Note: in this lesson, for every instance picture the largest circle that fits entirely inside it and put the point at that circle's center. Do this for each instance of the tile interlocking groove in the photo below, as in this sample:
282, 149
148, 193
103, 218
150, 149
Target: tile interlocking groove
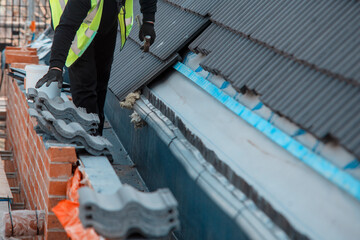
70, 133
129, 211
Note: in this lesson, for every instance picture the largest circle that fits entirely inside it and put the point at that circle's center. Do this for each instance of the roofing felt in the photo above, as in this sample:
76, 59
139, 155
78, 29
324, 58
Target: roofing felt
323, 34
133, 68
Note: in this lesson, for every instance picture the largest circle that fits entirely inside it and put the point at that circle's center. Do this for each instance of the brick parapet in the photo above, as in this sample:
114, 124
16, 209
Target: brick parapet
43, 173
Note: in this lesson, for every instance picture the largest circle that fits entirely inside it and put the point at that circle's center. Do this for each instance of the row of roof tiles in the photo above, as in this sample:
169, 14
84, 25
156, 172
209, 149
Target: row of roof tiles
324, 34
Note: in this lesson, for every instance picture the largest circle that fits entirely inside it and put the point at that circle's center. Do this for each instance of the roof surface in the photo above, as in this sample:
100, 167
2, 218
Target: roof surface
131, 71
324, 34
133, 68
301, 57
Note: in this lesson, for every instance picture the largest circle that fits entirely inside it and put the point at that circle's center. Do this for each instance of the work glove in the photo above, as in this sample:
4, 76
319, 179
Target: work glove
147, 29
53, 75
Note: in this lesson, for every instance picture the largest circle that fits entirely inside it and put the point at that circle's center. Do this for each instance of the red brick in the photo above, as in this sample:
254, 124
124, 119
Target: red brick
16, 58
53, 222
50, 235
60, 170
53, 201
62, 154
57, 187
20, 52
10, 48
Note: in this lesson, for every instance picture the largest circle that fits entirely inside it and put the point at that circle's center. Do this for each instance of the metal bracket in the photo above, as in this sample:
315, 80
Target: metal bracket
6, 155
15, 189
11, 174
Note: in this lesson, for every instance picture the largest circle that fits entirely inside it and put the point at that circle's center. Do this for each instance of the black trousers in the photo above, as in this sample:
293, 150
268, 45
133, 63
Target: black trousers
89, 75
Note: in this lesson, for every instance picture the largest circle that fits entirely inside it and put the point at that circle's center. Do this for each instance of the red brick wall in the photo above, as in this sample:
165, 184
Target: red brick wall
43, 173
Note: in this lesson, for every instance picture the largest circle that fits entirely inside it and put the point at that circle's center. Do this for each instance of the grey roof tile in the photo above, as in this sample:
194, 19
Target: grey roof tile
324, 34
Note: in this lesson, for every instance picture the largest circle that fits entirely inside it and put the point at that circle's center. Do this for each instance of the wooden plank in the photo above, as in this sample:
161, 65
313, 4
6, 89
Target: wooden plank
5, 191
4, 207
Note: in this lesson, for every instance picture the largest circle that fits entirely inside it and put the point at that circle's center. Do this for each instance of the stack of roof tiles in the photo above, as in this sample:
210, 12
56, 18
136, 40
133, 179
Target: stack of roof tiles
301, 57
67, 123
129, 212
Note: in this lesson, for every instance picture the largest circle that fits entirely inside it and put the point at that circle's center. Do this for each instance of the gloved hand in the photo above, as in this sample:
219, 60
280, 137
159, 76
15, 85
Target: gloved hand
53, 75
147, 29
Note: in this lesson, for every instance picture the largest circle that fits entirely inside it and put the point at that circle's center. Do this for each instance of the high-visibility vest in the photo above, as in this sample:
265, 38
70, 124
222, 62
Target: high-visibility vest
89, 27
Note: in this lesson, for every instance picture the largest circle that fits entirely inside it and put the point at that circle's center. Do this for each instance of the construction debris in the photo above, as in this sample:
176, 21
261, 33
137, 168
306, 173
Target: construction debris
70, 133
130, 100
65, 110
137, 120
129, 211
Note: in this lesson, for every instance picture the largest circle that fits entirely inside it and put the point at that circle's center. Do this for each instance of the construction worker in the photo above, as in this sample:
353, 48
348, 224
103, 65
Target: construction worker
84, 41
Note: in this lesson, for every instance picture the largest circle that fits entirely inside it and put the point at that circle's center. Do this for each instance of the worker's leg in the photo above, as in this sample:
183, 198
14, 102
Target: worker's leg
104, 52
83, 81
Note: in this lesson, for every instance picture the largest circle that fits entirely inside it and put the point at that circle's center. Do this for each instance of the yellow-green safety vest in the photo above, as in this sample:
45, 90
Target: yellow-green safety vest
89, 27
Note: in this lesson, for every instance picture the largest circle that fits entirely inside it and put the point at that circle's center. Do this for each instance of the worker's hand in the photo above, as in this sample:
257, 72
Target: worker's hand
147, 29
53, 75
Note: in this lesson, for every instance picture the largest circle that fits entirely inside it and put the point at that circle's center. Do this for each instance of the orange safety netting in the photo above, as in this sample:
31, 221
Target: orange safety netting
67, 211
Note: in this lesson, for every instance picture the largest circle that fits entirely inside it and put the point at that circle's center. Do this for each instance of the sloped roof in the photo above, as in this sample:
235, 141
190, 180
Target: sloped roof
323, 34
133, 68
301, 57
131, 71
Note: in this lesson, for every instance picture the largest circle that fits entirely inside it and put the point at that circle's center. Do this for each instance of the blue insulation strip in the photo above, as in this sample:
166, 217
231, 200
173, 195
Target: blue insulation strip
319, 164
258, 106
352, 165
199, 69
299, 132
224, 85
